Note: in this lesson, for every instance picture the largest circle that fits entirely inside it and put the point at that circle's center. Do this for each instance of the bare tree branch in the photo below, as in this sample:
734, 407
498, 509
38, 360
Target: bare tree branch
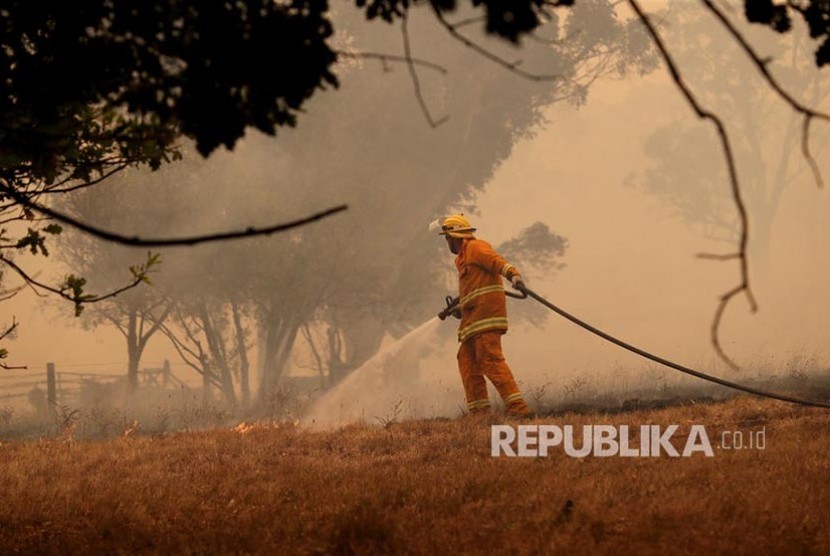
10, 329
393, 58
166, 330
165, 242
117, 324
469, 21
181, 349
414, 74
104, 175
157, 322
189, 333
762, 64
716, 320
62, 292
744, 286
715, 257
320, 366
8, 294
34, 289
12, 367
21, 218
119, 165
510, 66
4, 353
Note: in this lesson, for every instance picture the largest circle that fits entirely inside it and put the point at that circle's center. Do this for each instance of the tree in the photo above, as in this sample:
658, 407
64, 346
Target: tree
768, 162
138, 313
133, 78
203, 334
138, 317
197, 325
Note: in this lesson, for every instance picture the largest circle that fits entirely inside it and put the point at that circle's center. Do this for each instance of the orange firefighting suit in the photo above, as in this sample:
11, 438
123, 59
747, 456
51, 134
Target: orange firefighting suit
483, 321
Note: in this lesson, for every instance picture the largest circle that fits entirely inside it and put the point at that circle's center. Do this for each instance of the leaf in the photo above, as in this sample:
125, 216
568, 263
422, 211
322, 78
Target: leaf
34, 241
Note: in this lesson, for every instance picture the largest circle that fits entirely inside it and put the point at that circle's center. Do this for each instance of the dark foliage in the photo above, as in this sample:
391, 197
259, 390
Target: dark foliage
816, 14
206, 70
508, 19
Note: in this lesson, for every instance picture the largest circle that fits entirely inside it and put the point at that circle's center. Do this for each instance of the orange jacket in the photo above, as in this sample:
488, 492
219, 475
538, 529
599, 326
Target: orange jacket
481, 292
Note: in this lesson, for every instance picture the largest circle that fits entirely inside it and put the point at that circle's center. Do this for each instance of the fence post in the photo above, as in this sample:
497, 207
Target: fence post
51, 386
166, 373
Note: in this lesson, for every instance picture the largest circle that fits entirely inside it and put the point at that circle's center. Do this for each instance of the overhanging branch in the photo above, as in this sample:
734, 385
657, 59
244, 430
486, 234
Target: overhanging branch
4, 353
743, 286
136, 241
761, 64
62, 292
393, 58
452, 29
433, 123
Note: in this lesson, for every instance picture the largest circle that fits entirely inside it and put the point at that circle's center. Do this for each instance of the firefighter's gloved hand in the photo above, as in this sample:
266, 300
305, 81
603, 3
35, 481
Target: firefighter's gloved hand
456, 313
518, 282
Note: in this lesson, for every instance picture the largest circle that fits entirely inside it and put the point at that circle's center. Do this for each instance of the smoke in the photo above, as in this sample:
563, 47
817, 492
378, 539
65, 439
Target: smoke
631, 265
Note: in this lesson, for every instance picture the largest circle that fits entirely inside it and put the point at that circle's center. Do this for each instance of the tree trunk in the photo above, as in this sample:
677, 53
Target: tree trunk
350, 347
217, 353
279, 336
244, 366
133, 351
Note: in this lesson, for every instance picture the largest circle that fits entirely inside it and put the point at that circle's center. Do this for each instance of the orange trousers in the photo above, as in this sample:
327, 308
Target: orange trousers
481, 356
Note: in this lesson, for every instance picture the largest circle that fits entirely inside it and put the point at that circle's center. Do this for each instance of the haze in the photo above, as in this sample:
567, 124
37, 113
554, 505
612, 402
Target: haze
631, 262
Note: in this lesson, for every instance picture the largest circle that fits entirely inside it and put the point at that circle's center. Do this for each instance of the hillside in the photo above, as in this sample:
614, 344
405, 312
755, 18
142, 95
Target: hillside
423, 487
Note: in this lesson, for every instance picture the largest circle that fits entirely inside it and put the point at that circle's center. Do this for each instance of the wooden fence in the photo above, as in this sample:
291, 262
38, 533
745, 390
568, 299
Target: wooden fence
56, 387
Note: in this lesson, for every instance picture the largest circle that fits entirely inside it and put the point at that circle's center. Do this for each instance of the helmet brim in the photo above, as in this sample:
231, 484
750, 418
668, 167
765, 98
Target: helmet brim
461, 233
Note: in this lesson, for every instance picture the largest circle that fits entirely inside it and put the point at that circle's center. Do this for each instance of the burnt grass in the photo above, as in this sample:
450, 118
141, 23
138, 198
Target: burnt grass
422, 487
814, 388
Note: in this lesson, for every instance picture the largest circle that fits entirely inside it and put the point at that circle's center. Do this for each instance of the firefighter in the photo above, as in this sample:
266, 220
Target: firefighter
483, 313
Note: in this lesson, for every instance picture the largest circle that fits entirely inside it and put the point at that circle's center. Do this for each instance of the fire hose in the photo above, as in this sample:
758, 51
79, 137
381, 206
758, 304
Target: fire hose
453, 307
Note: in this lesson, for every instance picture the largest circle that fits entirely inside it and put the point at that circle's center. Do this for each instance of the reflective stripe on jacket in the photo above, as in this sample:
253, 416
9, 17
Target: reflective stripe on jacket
481, 293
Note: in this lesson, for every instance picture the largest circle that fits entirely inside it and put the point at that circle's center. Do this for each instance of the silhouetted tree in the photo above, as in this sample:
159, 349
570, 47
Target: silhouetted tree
682, 172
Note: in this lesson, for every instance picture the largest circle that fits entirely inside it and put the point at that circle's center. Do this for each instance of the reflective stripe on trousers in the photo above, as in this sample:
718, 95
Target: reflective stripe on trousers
479, 357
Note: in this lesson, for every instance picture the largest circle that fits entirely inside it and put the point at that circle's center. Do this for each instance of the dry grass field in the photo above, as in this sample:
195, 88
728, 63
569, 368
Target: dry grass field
425, 487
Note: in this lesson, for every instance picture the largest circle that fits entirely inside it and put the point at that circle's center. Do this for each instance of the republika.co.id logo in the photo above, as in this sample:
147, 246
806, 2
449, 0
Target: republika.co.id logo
617, 440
